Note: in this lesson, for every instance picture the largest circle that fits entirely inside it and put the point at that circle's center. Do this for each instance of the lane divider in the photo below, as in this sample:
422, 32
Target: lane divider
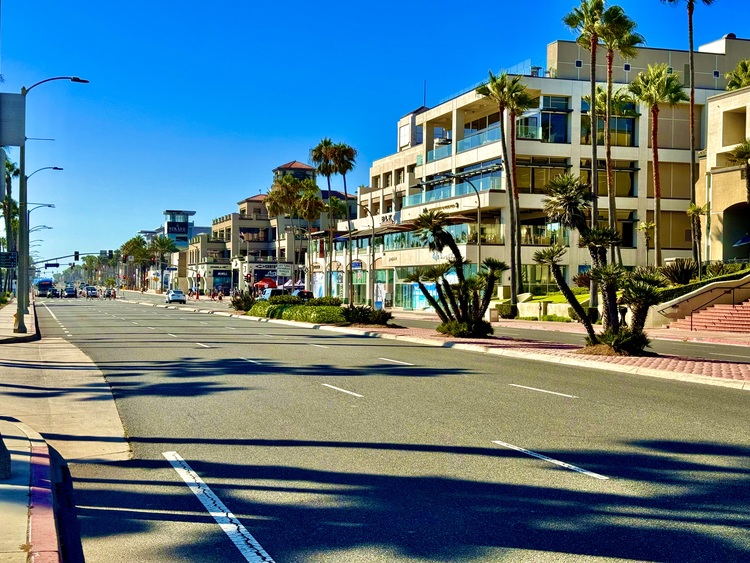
551, 460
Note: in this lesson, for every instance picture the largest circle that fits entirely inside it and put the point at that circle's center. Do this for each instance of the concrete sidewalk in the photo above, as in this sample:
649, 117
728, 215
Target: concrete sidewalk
47, 387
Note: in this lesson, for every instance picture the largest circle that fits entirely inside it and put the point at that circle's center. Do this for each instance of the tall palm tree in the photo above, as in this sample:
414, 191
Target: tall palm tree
10, 210
519, 101
652, 88
690, 10
137, 248
739, 77
502, 90
695, 212
160, 246
344, 157
646, 227
285, 193
321, 155
740, 156
586, 20
310, 208
618, 35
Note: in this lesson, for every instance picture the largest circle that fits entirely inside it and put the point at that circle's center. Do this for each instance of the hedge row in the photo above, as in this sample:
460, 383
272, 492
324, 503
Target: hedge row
324, 314
669, 293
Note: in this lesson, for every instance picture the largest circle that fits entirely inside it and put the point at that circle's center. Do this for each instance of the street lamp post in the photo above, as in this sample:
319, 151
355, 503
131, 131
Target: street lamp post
23, 297
479, 216
371, 269
23, 235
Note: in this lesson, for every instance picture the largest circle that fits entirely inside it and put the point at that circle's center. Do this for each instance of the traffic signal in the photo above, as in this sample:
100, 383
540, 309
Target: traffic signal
109, 254
198, 276
76, 256
153, 260
124, 258
248, 278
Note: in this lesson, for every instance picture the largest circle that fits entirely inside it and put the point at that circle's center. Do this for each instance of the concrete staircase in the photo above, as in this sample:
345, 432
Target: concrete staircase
718, 318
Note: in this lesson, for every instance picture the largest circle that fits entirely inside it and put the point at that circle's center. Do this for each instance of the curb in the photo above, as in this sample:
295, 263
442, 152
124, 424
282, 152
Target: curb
44, 543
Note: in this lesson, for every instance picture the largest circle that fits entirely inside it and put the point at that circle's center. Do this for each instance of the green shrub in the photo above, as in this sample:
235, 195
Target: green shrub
3, 298
259, 308
507, 311
285, 300
556, 318
320, 315
325, 302
680, 272
480, 329
528, 318
242, 302
381, 317
360, 314
625, 341
669, 293
537, 291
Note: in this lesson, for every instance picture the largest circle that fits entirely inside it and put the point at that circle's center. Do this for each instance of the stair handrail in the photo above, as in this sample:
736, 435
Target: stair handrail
726, 290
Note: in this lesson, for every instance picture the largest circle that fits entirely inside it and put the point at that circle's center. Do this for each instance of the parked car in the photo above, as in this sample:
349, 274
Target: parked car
70, 292
272, 292
303, 294
176, 296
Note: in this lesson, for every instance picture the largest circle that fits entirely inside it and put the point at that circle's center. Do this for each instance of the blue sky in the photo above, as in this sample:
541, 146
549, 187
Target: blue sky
192, 104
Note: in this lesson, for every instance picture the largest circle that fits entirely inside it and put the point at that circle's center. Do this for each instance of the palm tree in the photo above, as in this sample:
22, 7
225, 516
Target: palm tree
137, 248
690, 9
552, 257
343, 157
499, 89
740, 156
321, 155
10, 210
646, 227
160, 246
695, 212
740, 76
652, 88
587, 21
640, 291
618, 36
284, 198
310, 207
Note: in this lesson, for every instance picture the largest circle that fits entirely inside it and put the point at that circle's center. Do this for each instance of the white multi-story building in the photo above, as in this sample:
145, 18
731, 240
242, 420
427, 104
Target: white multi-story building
461, 136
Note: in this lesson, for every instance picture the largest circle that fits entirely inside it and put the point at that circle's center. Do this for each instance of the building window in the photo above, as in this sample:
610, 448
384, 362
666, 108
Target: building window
554, 127
533, 173
624, 175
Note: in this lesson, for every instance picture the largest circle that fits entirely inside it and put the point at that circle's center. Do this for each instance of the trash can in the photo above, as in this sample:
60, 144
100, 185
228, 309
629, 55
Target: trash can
494, 314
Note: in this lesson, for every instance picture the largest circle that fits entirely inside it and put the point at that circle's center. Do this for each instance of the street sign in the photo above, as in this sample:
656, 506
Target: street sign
170, 269
52, 265
283, 269
9, 259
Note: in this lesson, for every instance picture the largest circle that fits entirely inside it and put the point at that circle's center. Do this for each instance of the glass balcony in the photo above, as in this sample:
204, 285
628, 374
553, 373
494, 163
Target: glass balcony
488, 181
539, 235
443, 151
530, 132
484, 137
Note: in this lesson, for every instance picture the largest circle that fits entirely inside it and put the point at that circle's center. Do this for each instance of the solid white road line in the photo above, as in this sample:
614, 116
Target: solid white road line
50, 312
342, 390
555, 461
250, 549
318, 345
543, 391
395, 361
731, 355
205, 346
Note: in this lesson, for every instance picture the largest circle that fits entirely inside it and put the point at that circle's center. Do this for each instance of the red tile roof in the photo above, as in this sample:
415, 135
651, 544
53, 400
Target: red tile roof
294, 165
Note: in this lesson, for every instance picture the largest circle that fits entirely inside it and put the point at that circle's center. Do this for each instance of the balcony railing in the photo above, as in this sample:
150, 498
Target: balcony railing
483, 183
484, 137
443, 151
531, 132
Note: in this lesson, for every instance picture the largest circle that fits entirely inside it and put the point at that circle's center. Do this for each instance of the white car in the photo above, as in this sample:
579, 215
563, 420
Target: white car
176, 296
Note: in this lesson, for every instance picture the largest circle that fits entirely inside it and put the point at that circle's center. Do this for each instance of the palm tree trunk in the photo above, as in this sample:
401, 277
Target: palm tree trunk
594, 42
616, 256
511, 209
690, 8
747, 182
573, 302
657, 183
348, 257
516, 205
329, 277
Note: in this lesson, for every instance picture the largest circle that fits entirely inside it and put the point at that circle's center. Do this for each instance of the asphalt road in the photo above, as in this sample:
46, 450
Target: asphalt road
337, 448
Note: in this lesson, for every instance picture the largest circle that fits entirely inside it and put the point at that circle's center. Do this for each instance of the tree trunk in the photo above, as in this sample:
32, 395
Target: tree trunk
573, 302
594, 153
657, 183
612, 210
511, 209
348, 258
516, 205
690, 8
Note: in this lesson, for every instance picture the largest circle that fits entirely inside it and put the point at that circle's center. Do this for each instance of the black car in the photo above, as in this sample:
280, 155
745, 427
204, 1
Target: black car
70, 292
303, 294
54, 292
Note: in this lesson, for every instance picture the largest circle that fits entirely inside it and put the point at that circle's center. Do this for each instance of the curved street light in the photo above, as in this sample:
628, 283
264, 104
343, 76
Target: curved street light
23, 227
39, 228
